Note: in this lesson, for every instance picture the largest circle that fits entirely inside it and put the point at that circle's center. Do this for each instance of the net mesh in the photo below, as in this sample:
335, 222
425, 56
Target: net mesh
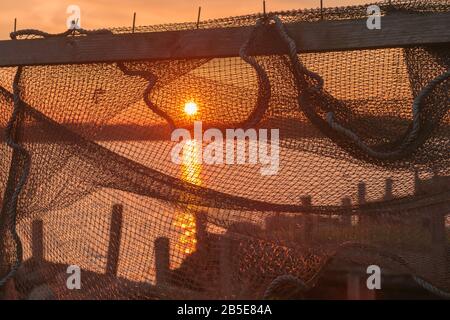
103, 193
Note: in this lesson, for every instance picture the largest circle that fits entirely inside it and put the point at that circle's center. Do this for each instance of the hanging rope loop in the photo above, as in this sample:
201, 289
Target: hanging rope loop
310, 83
264, 88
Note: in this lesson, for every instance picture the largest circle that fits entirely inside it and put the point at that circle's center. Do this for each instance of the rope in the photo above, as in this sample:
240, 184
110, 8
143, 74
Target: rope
430, 288
11, 206
151, 78
264, 90
301, 73
412, 134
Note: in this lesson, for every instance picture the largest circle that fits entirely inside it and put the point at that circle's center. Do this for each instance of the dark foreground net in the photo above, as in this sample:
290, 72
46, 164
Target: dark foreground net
363, 179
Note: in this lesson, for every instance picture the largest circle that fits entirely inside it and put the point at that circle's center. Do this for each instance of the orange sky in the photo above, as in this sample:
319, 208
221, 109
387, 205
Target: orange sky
50, 15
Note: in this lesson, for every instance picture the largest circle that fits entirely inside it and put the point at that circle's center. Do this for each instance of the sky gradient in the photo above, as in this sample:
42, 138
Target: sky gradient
51, 16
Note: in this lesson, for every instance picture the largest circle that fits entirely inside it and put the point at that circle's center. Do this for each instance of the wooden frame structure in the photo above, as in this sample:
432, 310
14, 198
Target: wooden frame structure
397, 29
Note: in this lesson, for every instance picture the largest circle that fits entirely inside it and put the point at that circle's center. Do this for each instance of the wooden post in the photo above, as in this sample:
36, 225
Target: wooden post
361, 193
308, 221
201, 232
162, 260
37, 241
347, 216
388, 193
112, 262
198, 16
321, 9
134, 22
226, 267
361, 201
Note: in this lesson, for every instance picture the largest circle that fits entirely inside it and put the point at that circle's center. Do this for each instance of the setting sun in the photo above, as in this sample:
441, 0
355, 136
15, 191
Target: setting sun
190, 108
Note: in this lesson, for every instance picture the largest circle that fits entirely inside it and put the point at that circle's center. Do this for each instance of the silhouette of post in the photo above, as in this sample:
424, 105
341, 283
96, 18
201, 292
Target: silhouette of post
361, 193
308, 220
134, 22
347, 216
198, 16
37, 241
388, 193
361, 200
162, 260
112, 261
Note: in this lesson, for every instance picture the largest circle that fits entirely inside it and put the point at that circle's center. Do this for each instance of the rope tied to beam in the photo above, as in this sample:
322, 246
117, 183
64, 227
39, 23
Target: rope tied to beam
70, 32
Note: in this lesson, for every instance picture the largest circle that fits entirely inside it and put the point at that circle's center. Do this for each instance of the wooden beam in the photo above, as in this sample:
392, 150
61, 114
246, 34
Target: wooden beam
397, 30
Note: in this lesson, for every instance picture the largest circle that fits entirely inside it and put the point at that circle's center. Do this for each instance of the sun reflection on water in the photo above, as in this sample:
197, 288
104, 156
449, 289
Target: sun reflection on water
185, 221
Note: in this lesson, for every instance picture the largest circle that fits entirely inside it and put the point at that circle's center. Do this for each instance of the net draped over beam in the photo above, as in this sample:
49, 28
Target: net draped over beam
364, 175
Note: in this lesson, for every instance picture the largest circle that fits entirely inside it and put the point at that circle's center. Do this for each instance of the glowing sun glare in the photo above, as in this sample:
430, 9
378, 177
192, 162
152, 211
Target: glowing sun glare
190, 108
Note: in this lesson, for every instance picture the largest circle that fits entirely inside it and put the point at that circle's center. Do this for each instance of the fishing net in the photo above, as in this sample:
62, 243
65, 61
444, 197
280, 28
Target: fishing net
87, 177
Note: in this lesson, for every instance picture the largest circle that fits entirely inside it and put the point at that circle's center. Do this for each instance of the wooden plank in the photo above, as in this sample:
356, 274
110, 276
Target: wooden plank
398, 29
